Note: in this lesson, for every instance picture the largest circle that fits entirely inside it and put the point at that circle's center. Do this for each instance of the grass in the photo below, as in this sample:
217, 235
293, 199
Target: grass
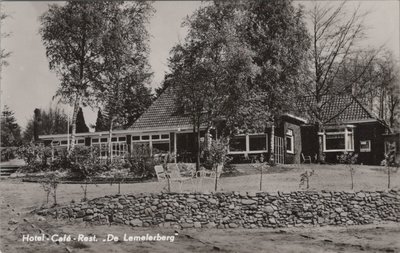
19, 198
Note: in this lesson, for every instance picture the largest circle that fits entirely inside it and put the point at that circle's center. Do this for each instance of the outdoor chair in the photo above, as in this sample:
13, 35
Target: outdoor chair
306, 158
209, 174
174, 175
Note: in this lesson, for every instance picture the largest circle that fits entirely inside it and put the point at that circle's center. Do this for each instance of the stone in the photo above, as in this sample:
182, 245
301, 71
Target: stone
170, 217
211, 225
272, 220
89, 211
187, 225
80, 214
252, 194
269, 209
197, 224
233, 225
248, 202
88, 218
360, 194
136, 223
212, 201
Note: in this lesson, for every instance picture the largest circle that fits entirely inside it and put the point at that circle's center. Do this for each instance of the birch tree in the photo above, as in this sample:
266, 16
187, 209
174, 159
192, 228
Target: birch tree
125, 48
72, 35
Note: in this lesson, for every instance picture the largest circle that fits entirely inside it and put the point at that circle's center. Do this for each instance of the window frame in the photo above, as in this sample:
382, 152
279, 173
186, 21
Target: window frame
247, 141
365, 149
291, 136
347, 132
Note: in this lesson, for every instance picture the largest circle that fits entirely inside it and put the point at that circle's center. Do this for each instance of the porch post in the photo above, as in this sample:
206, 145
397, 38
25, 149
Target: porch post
151, 145
175, 148
247, 146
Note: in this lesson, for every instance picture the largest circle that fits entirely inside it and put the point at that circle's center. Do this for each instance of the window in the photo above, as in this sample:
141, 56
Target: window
104, 139
95, 140
237, 144
64, 142
160, 147
336, 140
258, 142
155, 137
289, 141
113, 139
365, 146
122, 139
145, 137
165, 136
135, 138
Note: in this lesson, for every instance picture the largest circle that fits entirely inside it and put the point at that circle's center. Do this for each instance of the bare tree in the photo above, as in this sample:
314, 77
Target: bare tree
335, 35
378, 85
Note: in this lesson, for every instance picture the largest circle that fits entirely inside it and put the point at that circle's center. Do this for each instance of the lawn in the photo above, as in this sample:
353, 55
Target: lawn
19, 198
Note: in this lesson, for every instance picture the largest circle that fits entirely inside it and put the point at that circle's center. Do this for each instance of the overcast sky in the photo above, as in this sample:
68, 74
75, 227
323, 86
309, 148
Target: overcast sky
27, 83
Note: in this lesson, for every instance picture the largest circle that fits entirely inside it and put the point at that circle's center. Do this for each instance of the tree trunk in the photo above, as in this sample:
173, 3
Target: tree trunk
320, 143
216, 179
198, 148
109, 141
272, 148
74, 116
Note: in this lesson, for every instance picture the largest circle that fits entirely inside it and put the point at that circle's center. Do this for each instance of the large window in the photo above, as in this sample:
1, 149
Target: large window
237, 144
160, 147
289, 141
258, 142
251, 143
341, 139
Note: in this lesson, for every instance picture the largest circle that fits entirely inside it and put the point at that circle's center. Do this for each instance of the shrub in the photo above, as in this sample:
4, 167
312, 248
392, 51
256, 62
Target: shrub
140, 162
8, 153
36, 157
49, 184
216, 154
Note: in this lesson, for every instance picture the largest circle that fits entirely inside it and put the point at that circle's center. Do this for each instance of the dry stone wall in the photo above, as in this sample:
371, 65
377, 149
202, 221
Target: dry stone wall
232, 210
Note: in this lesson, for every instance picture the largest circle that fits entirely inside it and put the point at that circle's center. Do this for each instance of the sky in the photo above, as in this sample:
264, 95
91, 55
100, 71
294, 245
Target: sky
27, 82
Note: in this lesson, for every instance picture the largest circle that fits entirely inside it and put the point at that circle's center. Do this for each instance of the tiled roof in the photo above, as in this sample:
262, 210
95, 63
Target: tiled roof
340, 109
162, 114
